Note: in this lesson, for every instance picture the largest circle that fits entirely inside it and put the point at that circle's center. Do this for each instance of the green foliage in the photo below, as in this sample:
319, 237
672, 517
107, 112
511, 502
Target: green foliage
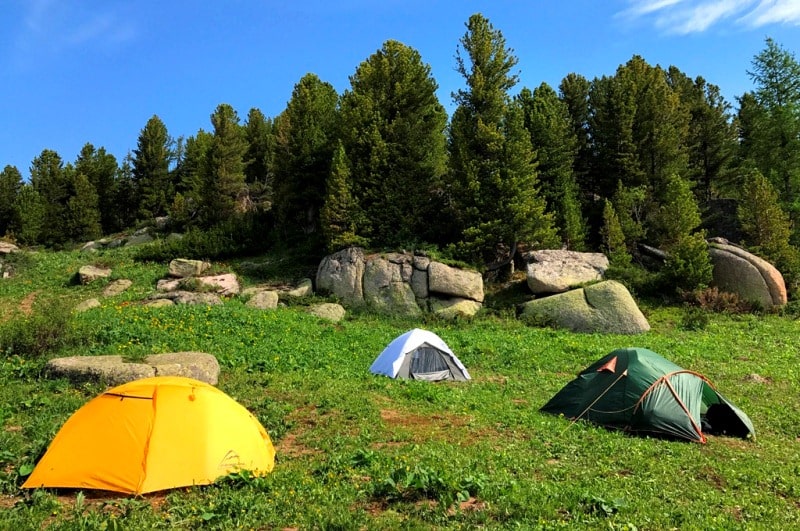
695, 318
340, 213
688, 266
392, 130
50, 182
10, 185
676, 216
101, 170
631, 206
305, 138
48, 329
30, 211
496, 200
613, 237
223, 184
554, 141
83, 215
150, 169
714, 300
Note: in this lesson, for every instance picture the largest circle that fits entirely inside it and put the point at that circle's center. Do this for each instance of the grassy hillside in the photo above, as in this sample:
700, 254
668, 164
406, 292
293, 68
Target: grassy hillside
356, 451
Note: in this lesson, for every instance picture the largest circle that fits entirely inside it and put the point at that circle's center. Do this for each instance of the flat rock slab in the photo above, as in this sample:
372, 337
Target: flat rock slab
556, 271
114, 370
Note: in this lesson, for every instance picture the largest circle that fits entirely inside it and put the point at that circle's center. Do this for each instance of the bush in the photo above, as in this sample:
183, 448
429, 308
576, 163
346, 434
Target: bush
688, 266
48, 329
712, 299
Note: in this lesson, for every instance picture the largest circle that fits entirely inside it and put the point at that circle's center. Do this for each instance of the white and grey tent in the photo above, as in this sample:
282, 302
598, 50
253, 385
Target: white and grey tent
419, 355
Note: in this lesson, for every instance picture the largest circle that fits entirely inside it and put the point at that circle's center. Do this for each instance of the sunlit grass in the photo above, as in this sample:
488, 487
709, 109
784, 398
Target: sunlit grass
360, 451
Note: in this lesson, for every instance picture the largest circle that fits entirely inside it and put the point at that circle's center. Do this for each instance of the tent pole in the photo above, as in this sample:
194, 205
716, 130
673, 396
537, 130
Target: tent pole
624, 373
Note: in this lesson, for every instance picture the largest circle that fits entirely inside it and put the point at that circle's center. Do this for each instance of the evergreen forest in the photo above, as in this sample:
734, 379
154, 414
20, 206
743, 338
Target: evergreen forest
644, 157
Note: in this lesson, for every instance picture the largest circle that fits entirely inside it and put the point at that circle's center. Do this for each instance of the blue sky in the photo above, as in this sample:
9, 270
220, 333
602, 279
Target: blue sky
77, 71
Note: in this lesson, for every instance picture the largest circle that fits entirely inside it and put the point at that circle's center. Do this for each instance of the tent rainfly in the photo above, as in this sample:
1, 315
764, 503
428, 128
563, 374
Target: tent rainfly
154, 434
637, 390
419, 355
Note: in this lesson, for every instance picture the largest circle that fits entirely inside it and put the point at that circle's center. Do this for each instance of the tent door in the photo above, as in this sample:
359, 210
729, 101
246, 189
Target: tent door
428, 363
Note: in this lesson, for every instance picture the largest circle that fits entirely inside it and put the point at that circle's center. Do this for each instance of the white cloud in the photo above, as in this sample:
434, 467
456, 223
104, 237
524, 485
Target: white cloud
683, 17
774, 12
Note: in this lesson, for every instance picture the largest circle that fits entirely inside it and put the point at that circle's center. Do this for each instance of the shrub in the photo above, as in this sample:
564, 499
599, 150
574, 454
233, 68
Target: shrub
712, 299
48, 329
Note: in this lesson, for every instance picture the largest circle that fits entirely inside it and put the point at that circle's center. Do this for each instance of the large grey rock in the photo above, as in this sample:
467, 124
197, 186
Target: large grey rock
114, 370
116, 287
183, 267
605, 307
556, 271
226, 284
385, 289
455, 282
263, 300
304, 288
328, 310
138, 239
188, 297
169, 284
89, 273
341, 273
745, 274
454, 307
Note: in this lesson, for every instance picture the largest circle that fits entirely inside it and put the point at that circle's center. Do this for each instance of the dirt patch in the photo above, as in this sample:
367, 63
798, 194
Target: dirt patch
302, 419
26, 304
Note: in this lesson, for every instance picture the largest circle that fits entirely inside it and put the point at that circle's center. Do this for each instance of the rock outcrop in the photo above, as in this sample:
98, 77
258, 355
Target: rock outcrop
399, 283
556, 271
89, 273
114, 370
605, 307
752, 278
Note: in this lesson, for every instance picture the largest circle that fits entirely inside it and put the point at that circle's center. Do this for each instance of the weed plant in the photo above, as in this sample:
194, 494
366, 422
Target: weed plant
358, 451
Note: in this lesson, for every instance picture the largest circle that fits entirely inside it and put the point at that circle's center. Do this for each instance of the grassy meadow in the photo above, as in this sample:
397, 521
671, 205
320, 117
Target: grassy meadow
357, 451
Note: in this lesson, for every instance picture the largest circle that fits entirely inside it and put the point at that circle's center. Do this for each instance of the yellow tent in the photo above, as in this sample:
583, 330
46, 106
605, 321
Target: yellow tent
154, 434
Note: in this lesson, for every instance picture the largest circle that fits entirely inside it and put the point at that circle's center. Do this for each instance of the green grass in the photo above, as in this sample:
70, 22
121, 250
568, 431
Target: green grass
357, 451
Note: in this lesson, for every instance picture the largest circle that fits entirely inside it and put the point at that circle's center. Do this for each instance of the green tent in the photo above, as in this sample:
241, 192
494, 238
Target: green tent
637, 390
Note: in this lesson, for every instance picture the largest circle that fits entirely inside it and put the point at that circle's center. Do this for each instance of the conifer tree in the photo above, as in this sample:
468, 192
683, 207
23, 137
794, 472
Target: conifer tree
30, 214
553, 138
223, 181
259, 157
151, 169
304, 142
49, 181
493, 173
613, 237
774, 142
393, 132
340, 213
101, 169
83, 216
764, 222
10, 184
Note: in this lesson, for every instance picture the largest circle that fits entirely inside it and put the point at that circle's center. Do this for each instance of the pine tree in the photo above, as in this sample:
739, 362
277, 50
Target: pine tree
190, 178
340, 213
304, 141
49, 181
574, 92
764, 222
393, 132
224, 185
30, 214
10, 184
125, 199
553, 138
101, 169
151, 169
259, 158
494, 180
613, 237
83, 215
774, 145
678, 216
